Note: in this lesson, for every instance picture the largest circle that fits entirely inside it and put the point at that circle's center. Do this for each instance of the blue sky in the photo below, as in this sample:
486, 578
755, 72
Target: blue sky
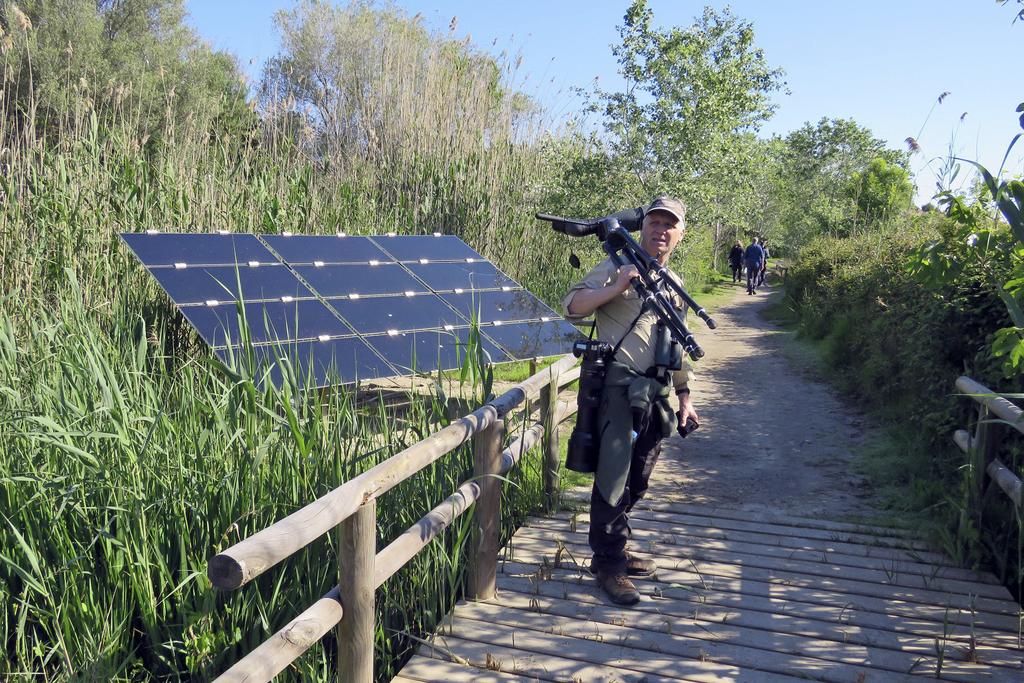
881, 63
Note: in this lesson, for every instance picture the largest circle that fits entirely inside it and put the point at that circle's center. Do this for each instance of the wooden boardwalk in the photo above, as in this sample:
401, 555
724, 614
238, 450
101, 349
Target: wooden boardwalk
738, 596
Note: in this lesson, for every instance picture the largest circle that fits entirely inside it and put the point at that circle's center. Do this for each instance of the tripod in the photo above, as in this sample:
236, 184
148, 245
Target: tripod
653, 280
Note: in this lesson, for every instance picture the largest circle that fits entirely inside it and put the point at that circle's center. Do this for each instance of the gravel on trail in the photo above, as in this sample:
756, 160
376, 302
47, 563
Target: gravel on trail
773, 437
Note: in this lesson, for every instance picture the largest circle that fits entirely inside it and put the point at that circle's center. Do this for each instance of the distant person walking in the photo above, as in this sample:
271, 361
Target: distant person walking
736, 261
753, 257
764, 265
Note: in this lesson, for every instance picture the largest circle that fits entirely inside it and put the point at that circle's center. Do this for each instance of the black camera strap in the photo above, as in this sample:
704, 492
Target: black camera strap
643, 309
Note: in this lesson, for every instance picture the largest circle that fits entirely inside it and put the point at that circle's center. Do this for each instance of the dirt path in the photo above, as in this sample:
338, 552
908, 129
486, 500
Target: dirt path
772, 438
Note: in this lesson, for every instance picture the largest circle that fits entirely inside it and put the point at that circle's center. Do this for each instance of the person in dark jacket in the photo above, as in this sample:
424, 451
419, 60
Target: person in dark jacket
753, 258
764, 265
736, 261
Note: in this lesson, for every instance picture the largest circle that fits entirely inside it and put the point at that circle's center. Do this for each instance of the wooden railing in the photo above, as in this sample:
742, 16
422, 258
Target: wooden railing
994, 414
351, 509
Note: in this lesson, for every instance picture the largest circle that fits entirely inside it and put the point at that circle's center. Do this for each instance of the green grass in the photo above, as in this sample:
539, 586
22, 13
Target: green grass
126, 471
519, 370
716, 293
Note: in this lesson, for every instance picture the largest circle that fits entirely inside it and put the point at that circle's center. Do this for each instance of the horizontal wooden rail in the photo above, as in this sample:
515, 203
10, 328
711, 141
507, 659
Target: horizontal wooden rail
1001, 407
983, 446
249, 558
278, 651
416, 537
285, 646
1000, 474
1007, 480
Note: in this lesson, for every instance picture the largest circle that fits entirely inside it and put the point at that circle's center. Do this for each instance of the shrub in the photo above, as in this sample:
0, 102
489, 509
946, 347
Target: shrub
897, 346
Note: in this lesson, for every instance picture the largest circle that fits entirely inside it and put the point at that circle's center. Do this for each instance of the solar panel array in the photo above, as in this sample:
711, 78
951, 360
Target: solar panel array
348, 308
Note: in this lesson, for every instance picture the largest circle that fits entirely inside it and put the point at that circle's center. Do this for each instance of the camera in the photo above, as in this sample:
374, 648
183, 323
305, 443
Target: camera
585, 442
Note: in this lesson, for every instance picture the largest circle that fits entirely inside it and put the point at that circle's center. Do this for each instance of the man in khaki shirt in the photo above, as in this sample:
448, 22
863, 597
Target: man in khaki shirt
606, 292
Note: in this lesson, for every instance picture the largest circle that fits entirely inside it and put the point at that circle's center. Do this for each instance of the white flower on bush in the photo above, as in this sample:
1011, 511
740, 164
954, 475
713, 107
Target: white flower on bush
972, 239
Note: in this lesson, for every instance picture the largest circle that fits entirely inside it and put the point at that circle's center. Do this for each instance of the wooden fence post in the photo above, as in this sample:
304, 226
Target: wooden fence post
487, 522
986, 443
357, 547
550, 457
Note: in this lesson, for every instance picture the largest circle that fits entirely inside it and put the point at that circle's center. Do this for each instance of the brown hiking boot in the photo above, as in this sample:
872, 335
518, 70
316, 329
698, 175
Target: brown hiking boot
618, 587
639, 567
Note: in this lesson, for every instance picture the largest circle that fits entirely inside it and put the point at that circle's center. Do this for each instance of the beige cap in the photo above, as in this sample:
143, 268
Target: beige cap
669, 204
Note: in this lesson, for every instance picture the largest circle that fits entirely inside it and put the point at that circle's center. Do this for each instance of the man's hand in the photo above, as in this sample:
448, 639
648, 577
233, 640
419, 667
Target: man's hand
685, 414
625, 275
586, 301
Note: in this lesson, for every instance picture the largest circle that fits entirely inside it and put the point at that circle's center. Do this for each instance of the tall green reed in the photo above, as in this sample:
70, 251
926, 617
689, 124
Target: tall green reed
123, 472
128, 455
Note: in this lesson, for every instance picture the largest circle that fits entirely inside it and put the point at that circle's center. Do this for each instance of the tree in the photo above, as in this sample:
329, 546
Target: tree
749, 194
421, 127
375, 80
689, 91
114, 57
822, 161
880, 191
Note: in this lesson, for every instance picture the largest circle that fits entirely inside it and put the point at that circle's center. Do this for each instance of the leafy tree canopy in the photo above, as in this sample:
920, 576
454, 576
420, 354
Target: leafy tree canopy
823, 164
880, 191
836, 149
689, 90
135, 57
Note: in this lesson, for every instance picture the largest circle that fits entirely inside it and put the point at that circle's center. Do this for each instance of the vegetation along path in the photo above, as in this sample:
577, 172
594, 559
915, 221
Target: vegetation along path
769, 568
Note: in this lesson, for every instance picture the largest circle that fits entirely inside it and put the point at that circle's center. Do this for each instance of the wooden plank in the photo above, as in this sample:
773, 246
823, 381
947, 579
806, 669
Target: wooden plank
675, 606
889, 576
561, 657
542, 666
955, 625
430, 670
514, 608
782, 541
837, 553
249, 558
546, 667
786, 534
668, 513
766, 517
1001, 407
662, 534
866, 546
492, 623
779, 576
702, 576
